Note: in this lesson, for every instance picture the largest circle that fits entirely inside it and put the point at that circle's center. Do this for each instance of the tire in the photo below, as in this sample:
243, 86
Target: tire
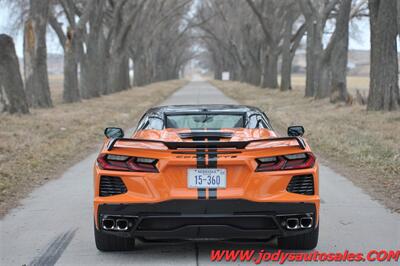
106, 242
301, 242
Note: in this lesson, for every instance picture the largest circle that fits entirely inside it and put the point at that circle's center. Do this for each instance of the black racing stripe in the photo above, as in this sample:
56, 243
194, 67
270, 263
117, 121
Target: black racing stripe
212, 163
201, 159
212, 193
201, 193
212, 158
201, 163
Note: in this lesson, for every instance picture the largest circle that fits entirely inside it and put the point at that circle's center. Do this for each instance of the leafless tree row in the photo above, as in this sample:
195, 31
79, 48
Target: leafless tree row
248, 37
102, 40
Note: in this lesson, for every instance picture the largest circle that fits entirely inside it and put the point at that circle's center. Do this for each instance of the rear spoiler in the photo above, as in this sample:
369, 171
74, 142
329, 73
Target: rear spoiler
206, 144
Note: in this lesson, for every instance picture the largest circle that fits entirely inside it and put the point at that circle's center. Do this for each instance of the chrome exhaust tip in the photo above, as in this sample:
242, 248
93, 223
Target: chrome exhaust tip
306, 222
122, 224
292, 223
108, 224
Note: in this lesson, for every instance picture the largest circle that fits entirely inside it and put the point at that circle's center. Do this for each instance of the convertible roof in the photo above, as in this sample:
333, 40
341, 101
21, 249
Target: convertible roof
203, 108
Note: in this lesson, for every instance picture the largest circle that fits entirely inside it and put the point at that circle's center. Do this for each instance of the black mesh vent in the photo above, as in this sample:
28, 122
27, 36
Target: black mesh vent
301, 184
111, 185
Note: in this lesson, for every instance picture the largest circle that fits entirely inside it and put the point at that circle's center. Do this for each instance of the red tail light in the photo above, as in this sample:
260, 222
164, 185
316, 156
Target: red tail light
127, 163
286, 162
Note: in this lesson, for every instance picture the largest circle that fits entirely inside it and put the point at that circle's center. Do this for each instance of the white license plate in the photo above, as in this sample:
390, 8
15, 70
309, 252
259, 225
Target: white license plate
206, 178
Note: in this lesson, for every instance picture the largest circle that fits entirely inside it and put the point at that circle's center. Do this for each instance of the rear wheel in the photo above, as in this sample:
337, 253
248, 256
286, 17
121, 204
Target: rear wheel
107, 242
302, 242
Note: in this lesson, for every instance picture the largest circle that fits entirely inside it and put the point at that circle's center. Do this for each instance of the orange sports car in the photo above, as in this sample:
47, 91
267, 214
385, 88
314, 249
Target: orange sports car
205, 172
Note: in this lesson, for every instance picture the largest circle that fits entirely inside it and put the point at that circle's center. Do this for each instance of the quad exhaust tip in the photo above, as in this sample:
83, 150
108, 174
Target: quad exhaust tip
299, 223
292, 223
108, 224
306, 222
120, 224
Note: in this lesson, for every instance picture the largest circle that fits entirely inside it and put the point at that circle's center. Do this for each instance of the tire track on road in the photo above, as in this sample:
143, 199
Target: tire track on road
54, 250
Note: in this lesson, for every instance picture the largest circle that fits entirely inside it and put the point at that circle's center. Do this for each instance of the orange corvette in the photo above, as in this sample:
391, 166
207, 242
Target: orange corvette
203, 172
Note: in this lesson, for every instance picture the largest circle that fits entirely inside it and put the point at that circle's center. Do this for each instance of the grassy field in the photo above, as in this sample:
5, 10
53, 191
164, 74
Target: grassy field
40, 146
353, 82
56, 84
364, 146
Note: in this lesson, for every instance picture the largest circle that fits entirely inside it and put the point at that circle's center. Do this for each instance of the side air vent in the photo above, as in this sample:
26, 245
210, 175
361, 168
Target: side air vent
111, 185
301, 184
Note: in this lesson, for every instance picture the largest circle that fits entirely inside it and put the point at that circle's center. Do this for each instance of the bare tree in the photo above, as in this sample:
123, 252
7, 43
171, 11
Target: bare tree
290, 42
35, 55
270, 16
101, 40
233, 38
92, 50
384, 77
160, 51
12, 92
316, 13
333, 59
71, 40
247, 39
124, 18
339, 54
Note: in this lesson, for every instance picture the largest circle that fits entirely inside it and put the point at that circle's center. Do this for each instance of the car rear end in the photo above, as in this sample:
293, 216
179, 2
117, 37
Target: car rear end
193, 187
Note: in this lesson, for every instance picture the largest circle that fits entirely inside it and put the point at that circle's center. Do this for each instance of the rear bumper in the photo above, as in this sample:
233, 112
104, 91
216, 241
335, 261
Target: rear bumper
206, 219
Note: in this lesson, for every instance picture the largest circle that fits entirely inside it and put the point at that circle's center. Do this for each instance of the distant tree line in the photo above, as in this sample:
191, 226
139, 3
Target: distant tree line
247, 37
101, 39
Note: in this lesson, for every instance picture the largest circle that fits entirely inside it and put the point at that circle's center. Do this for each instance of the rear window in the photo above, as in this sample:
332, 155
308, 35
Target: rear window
199, 121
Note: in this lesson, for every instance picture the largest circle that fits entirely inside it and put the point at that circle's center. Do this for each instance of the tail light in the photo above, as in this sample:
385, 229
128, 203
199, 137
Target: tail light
127, 163
286, 162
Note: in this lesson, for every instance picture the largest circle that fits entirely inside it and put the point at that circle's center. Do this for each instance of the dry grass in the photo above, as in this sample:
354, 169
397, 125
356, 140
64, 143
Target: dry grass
39, 146
365, 146
353, 83
57, 86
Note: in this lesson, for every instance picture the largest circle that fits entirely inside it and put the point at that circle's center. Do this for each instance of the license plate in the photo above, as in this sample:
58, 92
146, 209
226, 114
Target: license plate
206, 178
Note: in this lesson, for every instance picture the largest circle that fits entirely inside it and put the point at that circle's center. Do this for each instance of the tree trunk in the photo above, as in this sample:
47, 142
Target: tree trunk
139, 71
90, 66
310, 60
270, 70
102, 68
114, 82
11, 85
35, 55
384, 87
286, 66
217, 70
84, 77
124, 74
89, 75
338, 60
253, 75
398, 17
71, 88
324, 80
319, 66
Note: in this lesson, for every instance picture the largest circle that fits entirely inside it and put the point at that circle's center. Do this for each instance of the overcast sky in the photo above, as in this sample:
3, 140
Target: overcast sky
359, 39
